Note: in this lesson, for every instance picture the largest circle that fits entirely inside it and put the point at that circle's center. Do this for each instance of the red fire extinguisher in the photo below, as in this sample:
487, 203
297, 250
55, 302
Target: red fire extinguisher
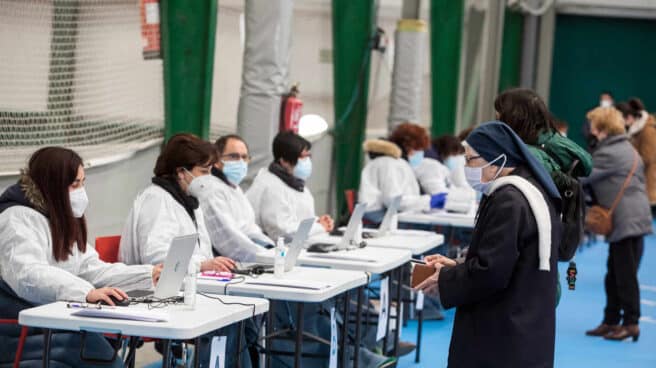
150, 31
290, 112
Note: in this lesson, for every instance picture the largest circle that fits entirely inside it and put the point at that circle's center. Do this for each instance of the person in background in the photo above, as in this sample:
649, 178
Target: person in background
562, 127
390, 173
279, 195
641, 128
46, 257
228, 214
165, 210
606, 99
613, 161
452, 154
507, 281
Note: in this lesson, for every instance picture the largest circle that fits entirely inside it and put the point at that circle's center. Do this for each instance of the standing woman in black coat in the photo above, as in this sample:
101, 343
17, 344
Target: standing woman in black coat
505, 290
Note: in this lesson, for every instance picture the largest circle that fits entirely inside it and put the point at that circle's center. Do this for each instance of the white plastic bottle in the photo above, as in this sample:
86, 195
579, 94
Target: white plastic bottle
279, 260
190, 287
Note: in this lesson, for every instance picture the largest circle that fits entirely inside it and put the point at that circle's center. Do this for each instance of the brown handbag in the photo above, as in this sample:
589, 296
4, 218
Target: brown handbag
599, 220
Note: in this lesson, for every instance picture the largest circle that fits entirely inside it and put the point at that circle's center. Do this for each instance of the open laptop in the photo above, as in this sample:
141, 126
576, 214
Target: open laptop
174, 271
386, 226
352, 237
293, 251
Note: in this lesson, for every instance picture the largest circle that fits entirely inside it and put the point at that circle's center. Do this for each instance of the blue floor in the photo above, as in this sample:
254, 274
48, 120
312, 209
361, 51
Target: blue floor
578, 311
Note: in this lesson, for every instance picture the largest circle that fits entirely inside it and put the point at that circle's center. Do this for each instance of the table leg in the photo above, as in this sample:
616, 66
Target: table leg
420, 324
197, 352
342, 348
268, 343
132, 351
298, 350
399, 301
358, 322
47, 338
390, 285
166, 354
240, 347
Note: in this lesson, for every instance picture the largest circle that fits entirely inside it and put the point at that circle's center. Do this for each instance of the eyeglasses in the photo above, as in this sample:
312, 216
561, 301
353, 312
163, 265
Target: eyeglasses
472, 158
236, 156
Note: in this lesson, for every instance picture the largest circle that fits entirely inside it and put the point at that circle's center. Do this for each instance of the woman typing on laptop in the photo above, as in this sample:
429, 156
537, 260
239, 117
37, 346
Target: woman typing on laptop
43, 237
166, 210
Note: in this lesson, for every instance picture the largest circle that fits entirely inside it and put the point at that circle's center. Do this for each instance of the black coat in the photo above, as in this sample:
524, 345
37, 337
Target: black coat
506, 306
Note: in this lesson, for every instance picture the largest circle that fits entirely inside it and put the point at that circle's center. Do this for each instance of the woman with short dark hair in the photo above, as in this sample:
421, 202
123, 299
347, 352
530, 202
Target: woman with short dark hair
165, 209
279, 195
46, 258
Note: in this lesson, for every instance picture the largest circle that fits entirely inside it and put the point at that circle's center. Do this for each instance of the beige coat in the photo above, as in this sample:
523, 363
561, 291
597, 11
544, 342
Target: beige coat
645, 143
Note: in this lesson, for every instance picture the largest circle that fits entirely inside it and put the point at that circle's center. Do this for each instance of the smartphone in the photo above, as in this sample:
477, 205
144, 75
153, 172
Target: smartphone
420, 272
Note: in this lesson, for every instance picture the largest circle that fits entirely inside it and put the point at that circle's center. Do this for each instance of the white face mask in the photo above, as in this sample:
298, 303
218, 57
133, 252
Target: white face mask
605, 103
474, 175
200, 186
79, 202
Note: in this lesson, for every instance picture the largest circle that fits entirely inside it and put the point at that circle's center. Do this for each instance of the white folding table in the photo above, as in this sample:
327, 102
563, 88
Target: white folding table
465, 220
301, 285
417, 242
183, 323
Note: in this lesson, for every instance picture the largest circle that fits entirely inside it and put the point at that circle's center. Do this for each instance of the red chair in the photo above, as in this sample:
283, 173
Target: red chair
107, 248
21, 339
350, 196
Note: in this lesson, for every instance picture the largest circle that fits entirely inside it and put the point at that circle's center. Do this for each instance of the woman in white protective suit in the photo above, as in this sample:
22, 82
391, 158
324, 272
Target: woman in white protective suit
390, 173
46, 258
279, 196
228, 214
449, 172
166, 209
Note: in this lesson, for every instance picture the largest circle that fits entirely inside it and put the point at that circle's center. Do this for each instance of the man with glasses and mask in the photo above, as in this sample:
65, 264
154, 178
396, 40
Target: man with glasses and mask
229, 217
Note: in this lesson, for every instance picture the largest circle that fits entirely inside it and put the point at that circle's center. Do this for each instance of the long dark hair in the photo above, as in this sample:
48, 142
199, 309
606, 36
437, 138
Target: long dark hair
53, 170
289, 146
525, 112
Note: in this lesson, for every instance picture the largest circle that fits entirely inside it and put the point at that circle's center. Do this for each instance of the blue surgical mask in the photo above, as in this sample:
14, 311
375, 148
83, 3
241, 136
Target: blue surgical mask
303, 168
474, 175
454, 162
416, 158
235, 171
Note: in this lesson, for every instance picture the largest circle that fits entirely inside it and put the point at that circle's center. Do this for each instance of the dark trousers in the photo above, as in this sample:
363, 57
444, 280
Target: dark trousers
622, 288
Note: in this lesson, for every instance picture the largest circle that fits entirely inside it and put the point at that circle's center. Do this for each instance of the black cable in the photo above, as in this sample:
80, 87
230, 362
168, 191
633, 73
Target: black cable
230, 303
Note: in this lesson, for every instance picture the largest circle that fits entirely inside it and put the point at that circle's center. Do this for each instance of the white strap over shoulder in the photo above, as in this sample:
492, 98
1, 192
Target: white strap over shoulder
540, 211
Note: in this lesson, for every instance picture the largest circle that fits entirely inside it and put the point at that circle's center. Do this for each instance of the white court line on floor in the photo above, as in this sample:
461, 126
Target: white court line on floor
648, 287
647, 302
647, 319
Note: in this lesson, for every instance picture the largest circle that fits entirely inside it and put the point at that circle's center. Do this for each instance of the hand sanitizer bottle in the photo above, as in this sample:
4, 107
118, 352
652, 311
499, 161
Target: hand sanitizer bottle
279, 261
190, 287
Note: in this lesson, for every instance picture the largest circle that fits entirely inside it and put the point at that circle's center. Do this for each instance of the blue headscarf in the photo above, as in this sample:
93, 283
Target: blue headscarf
494, 138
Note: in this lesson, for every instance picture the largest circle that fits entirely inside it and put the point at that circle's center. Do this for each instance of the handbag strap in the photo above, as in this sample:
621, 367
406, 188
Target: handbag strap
626, 183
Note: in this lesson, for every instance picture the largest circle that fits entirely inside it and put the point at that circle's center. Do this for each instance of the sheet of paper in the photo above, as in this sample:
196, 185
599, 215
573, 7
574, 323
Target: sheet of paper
333, 339
133, 314
419, 301
384, 309
218, 352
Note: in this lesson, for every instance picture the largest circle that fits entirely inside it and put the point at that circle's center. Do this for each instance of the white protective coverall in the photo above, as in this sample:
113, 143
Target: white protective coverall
384, 178
30, 269
229, 218
279, 208
155, 219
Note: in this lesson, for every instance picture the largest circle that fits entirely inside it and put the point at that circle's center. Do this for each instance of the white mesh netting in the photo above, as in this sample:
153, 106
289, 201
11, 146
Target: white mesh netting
72, 74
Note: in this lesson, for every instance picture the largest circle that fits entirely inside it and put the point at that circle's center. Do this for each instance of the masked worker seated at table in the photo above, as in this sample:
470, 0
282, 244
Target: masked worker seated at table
229, 216
439, 176
46, 258
279, 196
389, 173
165, 210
